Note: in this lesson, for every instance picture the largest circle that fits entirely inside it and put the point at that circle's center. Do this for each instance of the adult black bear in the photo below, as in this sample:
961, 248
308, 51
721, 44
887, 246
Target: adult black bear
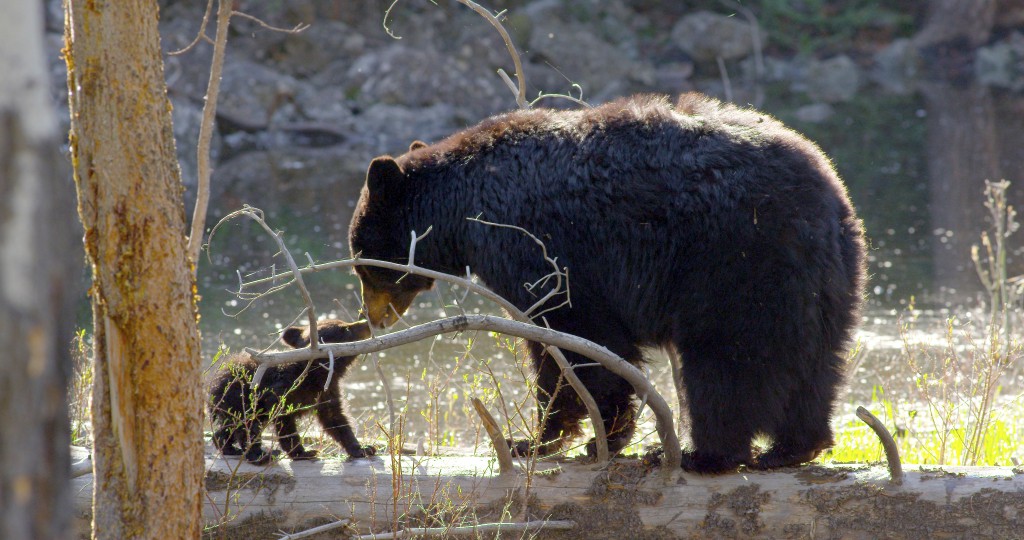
239, 412
710, 230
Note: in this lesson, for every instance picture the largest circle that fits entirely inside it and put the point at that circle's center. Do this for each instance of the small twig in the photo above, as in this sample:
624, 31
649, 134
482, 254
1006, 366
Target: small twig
412, 243
294, 30
316, 530
532, 526
892, 453
387, 12
501, 449
556, 271
200, 35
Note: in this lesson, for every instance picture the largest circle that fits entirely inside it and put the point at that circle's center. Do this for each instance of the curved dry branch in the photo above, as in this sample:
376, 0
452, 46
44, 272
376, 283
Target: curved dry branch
520, 75
600, 436
892, 453
609, 360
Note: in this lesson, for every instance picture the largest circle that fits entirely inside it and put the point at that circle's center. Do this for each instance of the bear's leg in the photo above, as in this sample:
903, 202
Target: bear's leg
804, 429
223, 440
724, 394
249, 438
560, 417
333, 420
615, 400
288, 438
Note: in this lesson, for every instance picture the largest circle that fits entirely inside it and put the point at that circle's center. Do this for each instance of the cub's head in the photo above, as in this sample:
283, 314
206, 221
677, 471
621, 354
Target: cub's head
380, 231
328, 331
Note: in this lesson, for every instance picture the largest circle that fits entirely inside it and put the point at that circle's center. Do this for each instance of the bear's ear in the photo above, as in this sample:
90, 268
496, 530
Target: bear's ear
384, 173
416, 145
293, 336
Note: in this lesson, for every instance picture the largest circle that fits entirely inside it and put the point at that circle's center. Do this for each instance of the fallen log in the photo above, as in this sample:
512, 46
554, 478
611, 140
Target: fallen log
624, 499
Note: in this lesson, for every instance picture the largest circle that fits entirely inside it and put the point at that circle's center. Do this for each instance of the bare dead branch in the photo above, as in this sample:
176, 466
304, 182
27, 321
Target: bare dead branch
501, 449
257, 215
892, 453
195, 237
525, 330
600, 436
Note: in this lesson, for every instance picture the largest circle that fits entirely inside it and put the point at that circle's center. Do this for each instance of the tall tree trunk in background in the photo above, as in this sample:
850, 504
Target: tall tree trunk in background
36, 236
147, 407
963, 151
950, 20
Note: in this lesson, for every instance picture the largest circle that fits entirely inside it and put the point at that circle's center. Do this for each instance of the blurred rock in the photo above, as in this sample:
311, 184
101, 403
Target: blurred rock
896, 66
307, 53
388, 129
834, 80
423, 77
814, 113
251, 95
186, 117
706, 36
563, 54
1002, 63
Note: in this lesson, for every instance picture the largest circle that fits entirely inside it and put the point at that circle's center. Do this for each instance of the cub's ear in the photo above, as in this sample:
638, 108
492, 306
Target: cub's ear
294, 338
416, 145
384, 173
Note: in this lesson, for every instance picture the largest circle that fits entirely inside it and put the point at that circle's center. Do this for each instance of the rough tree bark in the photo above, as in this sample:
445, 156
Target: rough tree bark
36, 272
147, 406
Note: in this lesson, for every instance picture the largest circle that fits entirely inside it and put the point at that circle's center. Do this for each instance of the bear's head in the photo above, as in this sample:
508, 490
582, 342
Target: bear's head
379, 231
328, 331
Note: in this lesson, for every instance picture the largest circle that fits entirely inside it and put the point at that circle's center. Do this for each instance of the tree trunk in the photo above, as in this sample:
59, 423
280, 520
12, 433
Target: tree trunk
623, 500
147, 406
36, 272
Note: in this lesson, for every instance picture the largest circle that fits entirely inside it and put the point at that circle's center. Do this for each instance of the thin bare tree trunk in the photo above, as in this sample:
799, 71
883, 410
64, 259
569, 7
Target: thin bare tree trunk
147, 407
36, 227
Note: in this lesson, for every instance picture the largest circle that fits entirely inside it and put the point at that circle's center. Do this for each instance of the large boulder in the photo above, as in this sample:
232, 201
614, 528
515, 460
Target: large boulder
833, 80
706, 36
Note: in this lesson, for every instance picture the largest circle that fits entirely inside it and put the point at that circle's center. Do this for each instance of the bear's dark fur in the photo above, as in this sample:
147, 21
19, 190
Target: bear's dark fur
710, 230
239, 412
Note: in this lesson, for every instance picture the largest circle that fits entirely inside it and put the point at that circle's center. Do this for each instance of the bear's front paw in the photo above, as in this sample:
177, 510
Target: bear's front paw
615, 446
300, 455
362, 452
258, 456
703, 463
523, 448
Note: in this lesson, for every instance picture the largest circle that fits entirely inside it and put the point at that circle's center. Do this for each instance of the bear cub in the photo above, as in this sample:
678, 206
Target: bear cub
239, 412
